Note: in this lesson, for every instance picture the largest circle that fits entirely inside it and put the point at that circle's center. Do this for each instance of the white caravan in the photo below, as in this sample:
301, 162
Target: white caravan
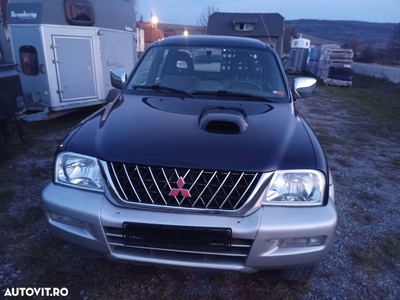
299, 55
65, 51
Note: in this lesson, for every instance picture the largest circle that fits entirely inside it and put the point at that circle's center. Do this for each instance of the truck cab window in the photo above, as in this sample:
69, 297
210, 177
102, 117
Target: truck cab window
79, 12
29, 60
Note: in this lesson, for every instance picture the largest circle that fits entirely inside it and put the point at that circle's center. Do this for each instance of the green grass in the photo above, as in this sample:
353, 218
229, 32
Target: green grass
377, 97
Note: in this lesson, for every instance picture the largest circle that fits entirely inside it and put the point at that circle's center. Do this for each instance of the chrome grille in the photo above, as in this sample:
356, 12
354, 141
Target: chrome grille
176, 187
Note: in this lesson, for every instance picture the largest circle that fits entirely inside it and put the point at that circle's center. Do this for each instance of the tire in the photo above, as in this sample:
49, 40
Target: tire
299, 274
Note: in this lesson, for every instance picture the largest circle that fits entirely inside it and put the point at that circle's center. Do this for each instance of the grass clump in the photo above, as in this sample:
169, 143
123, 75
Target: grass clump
376, 259
377, 97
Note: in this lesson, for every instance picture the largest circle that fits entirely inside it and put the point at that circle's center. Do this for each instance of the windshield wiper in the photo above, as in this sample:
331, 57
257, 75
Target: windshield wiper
160, 88
231, 93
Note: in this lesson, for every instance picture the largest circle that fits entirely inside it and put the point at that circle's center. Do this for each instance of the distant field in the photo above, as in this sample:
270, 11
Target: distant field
341, 32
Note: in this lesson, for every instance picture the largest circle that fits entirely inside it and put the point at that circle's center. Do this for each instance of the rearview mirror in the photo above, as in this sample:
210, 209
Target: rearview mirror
304, 87
118, 78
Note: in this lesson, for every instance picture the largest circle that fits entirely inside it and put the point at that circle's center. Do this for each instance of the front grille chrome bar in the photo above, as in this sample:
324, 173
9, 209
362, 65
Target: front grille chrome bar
197, 189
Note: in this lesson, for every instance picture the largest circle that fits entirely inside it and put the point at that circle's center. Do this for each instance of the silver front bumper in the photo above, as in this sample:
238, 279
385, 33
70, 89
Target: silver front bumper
89, 219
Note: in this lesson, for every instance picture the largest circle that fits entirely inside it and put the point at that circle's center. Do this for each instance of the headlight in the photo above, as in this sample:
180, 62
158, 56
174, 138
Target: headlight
296, 187
78, 170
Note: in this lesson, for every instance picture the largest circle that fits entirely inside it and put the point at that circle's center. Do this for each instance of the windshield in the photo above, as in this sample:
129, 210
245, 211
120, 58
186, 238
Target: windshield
217, 72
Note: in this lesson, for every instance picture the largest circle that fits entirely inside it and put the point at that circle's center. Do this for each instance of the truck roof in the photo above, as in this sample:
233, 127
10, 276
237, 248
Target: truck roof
213, 40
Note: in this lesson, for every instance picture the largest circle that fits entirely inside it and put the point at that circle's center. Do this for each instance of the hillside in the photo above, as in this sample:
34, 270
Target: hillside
341, 32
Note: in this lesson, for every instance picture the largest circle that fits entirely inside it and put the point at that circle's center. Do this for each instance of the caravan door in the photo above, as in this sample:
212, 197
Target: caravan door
75, 68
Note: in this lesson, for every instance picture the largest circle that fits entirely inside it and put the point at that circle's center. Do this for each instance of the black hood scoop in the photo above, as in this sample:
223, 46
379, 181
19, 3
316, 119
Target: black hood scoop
223, 120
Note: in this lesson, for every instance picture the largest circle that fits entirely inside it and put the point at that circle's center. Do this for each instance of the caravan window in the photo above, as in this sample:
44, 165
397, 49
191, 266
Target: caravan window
79, 12
29, 60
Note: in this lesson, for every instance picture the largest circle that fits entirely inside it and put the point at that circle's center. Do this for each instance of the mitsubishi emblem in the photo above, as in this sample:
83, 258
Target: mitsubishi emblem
180, 190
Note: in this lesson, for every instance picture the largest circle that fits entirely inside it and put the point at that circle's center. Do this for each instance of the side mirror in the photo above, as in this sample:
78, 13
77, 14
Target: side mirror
304, 87
118, 78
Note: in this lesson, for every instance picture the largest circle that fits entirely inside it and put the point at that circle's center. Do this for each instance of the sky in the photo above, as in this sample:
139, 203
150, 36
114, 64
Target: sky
187, 12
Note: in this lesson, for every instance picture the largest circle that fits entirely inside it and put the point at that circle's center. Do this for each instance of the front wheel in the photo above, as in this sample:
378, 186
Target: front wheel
299, 274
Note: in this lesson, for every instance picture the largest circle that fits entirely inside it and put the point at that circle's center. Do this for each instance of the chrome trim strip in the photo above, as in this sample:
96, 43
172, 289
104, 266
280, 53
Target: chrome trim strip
115, 174
194, 184
220, 186
155, 183
202, 192
167, 180
248, 186
143, 183
130, 182
233, 188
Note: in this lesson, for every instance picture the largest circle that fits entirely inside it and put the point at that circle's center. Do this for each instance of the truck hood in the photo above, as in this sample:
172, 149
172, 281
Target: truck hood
196, 133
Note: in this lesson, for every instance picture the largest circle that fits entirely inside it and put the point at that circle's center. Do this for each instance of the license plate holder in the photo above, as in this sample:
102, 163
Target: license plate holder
208, 239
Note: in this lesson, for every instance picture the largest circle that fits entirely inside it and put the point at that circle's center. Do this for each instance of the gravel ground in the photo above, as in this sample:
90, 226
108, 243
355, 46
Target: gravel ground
364, 157
364, 262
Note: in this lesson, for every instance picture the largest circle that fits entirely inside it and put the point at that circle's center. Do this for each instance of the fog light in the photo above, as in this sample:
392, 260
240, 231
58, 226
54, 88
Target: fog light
301, 242
316, 241
66, 220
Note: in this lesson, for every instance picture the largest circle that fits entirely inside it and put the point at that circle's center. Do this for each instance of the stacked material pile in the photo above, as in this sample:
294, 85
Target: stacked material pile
332, 64
316, 65
338, 64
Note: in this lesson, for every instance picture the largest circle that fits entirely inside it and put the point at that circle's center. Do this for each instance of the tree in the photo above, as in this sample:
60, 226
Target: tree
202, 21
394, 45
368, 54
355, 45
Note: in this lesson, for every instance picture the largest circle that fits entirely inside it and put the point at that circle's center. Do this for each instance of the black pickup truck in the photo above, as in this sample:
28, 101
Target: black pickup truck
202, 161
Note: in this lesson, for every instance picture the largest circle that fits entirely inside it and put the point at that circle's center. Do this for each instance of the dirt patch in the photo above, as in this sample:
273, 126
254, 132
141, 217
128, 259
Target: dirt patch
363, 154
